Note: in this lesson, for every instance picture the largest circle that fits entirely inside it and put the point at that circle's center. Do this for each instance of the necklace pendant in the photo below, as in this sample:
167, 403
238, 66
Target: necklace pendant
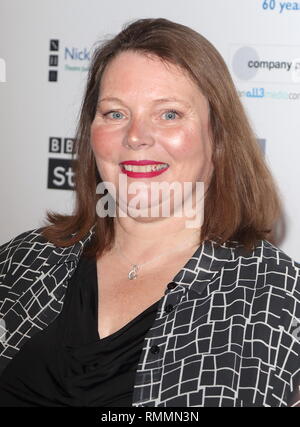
133, 273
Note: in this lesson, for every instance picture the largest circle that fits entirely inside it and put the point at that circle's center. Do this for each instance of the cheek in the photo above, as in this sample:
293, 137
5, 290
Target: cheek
101, 142
184, 143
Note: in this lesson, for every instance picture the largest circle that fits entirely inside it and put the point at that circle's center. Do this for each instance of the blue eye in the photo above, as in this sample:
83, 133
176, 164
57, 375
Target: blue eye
115, 115
170, 115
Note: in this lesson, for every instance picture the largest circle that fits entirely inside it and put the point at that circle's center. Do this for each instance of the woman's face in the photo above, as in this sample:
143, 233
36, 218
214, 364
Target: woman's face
148, 110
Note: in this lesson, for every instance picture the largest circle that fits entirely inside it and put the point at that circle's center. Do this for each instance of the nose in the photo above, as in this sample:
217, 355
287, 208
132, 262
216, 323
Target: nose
139, 134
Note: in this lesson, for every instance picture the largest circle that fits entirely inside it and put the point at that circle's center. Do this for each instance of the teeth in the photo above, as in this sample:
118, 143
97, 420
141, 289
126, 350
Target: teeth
146, 168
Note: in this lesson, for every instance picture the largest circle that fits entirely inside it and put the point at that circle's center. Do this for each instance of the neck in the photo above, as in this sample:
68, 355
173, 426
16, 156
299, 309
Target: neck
143, 240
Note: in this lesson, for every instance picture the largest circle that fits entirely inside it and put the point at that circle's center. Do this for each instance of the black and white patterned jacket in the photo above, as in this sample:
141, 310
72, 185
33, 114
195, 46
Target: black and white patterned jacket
226, 332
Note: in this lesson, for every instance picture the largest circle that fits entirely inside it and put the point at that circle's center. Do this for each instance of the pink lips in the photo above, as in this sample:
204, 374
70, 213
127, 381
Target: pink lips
142, 163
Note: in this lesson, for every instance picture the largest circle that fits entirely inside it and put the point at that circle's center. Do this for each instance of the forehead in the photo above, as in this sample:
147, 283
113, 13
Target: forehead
135, 72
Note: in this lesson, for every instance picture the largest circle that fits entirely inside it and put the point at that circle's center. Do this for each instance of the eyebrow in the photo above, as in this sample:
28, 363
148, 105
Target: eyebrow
155, 101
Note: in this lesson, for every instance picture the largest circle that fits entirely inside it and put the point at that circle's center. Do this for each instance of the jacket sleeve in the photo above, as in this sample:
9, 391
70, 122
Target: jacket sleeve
290, 343
7, 254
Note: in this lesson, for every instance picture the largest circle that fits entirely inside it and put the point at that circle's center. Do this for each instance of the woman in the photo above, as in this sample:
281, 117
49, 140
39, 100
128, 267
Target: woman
136, 310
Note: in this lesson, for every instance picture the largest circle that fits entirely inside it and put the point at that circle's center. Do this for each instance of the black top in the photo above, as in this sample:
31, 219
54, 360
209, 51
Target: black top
67, 364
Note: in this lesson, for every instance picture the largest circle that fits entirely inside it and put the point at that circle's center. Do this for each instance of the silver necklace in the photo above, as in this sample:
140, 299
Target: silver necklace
133, 272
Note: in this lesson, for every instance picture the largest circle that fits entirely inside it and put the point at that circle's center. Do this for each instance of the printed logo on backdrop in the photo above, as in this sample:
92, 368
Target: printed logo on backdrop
72, 59
280, 7
60, 172
270, 71
76, 59
53, 60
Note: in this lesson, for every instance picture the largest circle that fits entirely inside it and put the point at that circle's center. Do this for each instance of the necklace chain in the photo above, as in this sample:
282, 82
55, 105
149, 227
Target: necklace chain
135, 267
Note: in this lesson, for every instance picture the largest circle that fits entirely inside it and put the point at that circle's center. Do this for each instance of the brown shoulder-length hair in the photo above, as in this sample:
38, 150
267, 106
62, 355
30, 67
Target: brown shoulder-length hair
241, 202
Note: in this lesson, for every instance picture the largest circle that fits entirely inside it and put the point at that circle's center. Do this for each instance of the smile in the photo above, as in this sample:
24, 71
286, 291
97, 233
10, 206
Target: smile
146, 168
143, 171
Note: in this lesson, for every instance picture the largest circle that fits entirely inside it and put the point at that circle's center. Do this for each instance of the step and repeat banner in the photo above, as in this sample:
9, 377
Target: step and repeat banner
45, 50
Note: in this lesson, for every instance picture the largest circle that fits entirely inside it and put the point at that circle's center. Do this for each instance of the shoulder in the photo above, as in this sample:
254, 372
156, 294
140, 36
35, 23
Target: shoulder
276, 257
267, 275
281, 273
26, 237
31, 247
274, 280
17, 254
282, 270
29, 256
20, 244
268, 258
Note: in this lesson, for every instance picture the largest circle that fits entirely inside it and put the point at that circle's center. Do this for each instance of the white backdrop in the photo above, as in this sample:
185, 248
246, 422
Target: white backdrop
259, 40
